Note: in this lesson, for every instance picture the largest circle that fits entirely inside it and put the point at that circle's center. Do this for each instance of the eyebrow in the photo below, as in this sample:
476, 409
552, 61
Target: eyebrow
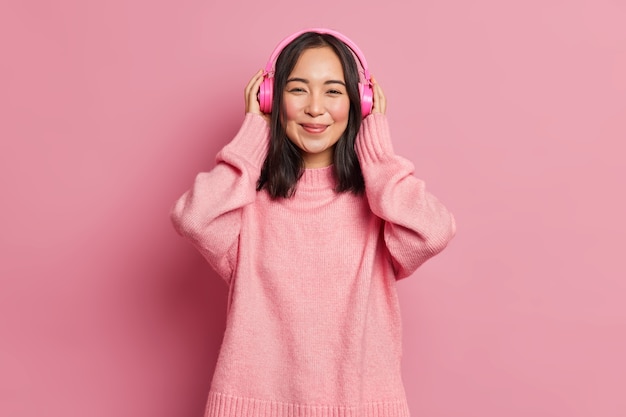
304, 80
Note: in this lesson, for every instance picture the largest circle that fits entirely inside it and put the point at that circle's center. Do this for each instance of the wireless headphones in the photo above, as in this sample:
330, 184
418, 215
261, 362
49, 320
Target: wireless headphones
267, 86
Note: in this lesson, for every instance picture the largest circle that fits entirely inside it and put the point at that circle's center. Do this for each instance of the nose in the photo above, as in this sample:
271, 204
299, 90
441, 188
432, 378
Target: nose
315, 106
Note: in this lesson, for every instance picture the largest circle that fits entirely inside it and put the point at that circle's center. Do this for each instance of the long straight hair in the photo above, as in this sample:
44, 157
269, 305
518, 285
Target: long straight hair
284, 165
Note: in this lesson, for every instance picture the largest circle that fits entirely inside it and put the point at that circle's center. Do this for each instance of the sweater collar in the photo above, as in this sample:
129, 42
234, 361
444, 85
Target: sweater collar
317, 178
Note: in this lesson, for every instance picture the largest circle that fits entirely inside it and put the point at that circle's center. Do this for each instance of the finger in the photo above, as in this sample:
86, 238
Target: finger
380, 102
251, 92
255, 81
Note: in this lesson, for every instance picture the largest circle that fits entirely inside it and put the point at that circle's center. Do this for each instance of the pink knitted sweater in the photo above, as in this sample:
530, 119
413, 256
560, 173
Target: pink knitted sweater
313, 325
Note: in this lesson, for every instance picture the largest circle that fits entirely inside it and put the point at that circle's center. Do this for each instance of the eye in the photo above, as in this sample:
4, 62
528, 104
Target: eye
335, 92
296, 90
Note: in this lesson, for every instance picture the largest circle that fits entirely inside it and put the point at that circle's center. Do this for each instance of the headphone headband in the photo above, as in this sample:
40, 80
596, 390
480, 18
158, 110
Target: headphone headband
322, 31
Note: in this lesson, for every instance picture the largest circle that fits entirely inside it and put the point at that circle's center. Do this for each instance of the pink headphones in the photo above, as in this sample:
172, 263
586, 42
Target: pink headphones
267, 86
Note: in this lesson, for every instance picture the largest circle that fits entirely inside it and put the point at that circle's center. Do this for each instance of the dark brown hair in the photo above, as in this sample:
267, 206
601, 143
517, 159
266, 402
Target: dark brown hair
283, 165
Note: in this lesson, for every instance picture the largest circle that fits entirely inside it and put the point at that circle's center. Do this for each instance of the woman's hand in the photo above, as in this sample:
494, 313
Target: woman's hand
252, 95
379, 102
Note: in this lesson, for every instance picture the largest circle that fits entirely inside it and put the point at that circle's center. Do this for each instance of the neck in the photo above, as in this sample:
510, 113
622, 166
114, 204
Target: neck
320, 160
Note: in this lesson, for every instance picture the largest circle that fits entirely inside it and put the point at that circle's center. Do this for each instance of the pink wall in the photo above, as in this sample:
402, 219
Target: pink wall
514, 113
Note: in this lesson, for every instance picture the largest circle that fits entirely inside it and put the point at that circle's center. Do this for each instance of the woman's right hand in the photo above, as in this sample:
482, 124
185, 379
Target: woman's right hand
252, 95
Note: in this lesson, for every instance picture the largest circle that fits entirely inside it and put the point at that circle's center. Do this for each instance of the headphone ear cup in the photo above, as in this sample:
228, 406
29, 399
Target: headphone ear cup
266, 90
367, 98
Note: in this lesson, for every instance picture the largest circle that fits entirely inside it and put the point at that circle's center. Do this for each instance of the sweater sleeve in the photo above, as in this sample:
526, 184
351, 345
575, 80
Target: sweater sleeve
209, 214
417, 226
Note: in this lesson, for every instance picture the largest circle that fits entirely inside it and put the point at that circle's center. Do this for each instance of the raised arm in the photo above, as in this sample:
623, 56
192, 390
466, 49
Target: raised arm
209, 213
417, 225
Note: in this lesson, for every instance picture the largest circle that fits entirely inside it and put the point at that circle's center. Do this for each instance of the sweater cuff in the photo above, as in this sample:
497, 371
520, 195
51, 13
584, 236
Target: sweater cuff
373, 142
250, 143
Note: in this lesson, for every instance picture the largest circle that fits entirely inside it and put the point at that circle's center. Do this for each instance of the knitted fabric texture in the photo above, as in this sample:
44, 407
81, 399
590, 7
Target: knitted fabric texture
313, 325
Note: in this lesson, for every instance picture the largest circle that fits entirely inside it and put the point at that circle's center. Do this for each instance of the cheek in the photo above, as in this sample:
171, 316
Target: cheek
340, 110
291, 109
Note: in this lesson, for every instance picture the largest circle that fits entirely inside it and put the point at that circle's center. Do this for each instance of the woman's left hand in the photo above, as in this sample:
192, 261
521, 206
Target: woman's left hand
379, 102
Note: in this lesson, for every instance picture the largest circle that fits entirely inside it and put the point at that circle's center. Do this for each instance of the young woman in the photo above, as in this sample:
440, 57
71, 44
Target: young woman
310, 217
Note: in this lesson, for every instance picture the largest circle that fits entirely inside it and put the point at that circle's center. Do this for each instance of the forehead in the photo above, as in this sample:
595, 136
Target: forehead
318, 62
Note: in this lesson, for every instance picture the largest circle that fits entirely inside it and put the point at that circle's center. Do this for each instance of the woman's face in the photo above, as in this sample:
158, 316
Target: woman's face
316, 105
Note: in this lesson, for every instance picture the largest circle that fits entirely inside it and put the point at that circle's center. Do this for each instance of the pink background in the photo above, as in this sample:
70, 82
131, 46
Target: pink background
514, 112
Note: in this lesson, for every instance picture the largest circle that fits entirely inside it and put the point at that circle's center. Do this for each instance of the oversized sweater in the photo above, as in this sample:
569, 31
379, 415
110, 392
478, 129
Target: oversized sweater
313, 324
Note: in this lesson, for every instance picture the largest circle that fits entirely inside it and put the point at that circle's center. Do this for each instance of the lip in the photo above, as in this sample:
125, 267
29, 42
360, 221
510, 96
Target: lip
314, 127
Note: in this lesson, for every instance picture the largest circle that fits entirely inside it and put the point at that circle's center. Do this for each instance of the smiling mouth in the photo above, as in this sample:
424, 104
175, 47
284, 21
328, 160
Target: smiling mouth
314, 128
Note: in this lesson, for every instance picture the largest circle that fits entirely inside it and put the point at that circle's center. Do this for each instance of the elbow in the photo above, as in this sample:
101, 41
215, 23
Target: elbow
439, 240
451, 227
177, 223
180, 220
